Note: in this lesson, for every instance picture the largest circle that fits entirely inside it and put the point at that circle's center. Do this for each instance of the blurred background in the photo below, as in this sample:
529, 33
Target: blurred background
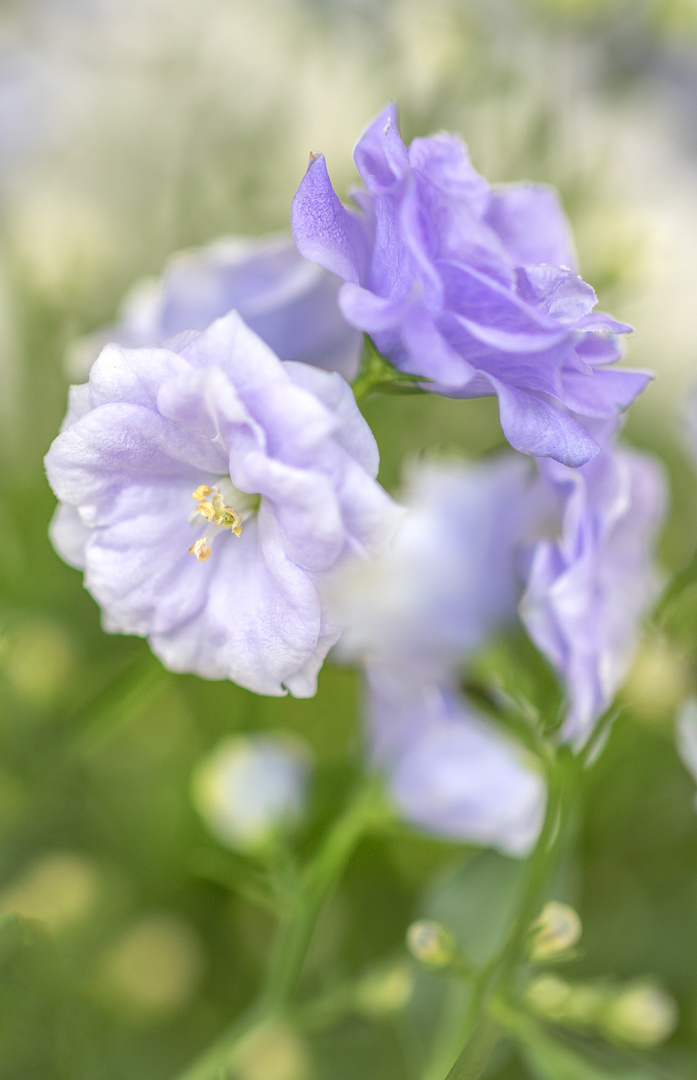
130, 129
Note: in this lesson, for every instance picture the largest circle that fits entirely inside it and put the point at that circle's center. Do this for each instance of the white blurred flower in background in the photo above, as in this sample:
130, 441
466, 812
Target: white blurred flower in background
253, 788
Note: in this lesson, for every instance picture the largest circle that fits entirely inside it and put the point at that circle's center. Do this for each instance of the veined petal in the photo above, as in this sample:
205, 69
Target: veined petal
604, 394
281, 466
534, 426
325, 231
489, 273
114, 443
260, 623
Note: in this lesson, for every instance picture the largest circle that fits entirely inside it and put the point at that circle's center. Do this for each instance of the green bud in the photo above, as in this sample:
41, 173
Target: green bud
555, 932
386, 990
61, 889
585, 1004
431, 944
548, 996
271, 1051
643, 1015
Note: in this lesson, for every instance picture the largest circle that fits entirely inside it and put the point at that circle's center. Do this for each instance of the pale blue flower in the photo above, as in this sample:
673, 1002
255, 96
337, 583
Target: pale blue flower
451, 772
593, 580
252, 788
449, 579
289, 302
472, 286
281, 466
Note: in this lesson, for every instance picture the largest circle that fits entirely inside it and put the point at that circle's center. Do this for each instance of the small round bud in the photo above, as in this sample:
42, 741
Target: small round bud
431, 944
548, 997
385, 991
642, 1015
272, 1051
556, 931
153, 968
585, 1004
251, 788
38, 659
60, 889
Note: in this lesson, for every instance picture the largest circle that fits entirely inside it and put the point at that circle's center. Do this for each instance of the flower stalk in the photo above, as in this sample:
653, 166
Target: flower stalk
364, 813
480, 1030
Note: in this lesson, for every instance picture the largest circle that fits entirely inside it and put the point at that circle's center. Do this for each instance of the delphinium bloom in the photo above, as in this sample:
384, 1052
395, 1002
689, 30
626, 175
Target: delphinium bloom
210, 492
471, 286
252, 788
449, 771
447, 583
449, 578
592, 582
289, 302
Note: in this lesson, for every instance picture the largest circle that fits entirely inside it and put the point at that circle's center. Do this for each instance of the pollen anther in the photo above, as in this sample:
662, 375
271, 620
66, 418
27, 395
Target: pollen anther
200, 549
212, 508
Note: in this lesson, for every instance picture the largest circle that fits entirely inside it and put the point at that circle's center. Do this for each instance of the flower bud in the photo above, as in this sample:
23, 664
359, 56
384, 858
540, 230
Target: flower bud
585, 1004
555, 932
272, 1051
38, 659
251, 788
431, 944
386, 990
643, 1015
153, 968
61, 889
548, 997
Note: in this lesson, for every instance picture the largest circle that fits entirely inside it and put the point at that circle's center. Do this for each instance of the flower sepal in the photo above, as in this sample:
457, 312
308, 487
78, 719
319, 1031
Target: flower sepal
377, 375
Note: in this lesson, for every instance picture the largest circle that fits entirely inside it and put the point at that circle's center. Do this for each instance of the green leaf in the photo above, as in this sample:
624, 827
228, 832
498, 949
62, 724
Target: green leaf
681, 581
477, 901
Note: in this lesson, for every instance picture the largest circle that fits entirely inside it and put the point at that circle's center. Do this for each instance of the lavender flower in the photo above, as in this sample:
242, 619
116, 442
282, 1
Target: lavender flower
289, 302
449, 771
449, 579
281, 467
471, 286
589, 588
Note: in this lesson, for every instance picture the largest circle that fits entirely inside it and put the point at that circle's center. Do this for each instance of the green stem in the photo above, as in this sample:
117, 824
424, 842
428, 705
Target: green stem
448, 1038
211, 1065
480, 1030
295, 933
482, 1041
320, 877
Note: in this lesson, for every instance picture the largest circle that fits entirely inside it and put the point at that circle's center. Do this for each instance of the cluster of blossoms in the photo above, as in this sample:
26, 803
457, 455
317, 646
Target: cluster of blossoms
229, 380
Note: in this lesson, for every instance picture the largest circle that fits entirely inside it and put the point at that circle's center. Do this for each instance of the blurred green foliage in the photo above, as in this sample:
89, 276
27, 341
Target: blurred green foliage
129, 937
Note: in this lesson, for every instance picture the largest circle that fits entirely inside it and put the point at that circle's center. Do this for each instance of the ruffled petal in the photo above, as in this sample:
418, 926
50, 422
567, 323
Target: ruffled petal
260, 622
118, 444
604, 393
534, 426
69, 535
532, 225
325, 231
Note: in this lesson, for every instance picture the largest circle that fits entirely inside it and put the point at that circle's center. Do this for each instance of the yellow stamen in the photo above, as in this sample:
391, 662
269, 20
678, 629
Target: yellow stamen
211, 507
206, 510
236, 522
200, 550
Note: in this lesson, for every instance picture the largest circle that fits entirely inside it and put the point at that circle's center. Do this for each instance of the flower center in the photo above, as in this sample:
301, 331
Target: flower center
215, 512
